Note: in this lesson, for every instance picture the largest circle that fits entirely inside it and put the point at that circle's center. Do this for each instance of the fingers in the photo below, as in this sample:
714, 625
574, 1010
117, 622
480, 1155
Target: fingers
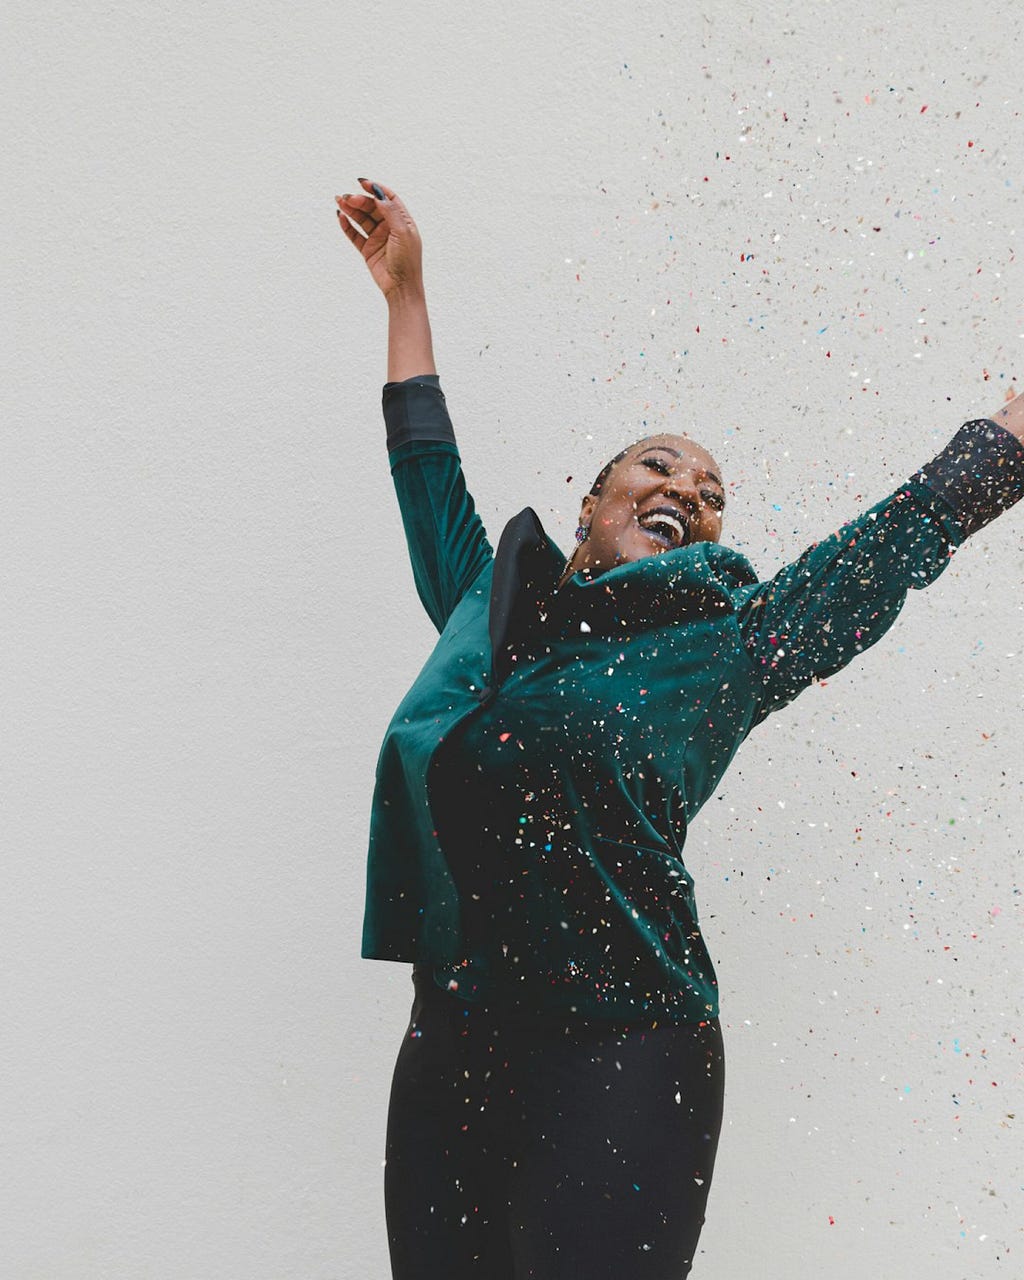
371, 203
361, 209
368, 185
389, 205
365, 203
357, 238
369, 211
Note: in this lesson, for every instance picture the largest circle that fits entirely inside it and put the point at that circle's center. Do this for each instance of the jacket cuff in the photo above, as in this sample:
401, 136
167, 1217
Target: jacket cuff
415, 409
979, 474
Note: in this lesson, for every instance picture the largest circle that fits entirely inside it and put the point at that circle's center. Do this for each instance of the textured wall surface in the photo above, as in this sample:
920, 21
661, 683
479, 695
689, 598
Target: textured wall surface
789, 230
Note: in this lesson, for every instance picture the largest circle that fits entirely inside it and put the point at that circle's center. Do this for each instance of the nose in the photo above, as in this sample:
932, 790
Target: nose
684, 489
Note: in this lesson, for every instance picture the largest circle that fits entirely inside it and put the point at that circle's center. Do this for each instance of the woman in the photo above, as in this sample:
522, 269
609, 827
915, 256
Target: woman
556, 1102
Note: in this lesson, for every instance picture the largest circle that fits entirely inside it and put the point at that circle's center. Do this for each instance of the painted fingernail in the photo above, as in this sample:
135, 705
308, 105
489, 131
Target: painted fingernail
377, 191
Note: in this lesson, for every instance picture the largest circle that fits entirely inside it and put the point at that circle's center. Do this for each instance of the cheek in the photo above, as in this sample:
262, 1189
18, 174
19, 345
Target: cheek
617, 517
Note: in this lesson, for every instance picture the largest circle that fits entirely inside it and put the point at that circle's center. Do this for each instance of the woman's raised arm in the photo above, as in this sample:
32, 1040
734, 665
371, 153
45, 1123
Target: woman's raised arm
448, 546
843, 593
390, 244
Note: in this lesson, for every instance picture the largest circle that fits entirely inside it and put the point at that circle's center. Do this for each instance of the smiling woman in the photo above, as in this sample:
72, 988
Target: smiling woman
557, 1097
660, 493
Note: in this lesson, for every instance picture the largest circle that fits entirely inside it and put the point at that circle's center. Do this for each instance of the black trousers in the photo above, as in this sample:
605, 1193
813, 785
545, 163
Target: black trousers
527, 1147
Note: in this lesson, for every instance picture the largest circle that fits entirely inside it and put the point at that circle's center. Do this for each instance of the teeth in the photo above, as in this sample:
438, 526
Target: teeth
666, 521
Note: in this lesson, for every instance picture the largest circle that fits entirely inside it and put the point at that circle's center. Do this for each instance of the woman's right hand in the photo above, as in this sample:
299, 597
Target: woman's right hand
387, 238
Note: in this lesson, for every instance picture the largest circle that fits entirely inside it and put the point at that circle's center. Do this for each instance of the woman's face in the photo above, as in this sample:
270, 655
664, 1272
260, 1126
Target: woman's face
666, 492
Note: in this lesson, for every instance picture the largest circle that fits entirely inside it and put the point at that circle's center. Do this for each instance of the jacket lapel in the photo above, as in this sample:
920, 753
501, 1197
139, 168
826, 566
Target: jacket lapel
526, 564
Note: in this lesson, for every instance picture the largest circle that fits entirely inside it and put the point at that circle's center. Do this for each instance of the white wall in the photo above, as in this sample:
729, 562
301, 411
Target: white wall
208, 617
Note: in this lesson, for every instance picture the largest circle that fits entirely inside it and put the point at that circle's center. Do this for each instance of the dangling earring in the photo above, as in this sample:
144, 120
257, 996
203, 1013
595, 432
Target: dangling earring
582, 534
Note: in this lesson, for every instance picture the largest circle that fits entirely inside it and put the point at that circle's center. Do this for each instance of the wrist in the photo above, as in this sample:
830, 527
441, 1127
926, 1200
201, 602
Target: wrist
1011, 416
403, 297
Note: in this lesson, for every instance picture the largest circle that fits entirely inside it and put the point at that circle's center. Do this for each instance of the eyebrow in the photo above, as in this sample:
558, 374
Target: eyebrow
664, 448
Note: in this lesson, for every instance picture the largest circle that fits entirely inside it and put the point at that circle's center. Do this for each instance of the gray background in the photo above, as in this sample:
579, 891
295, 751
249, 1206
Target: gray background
208, 615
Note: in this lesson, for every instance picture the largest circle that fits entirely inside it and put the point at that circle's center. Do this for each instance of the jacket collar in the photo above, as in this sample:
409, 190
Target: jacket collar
692, 583
526, 567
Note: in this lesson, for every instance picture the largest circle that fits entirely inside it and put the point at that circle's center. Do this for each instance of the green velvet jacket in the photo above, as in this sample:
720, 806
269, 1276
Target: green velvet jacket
598, 718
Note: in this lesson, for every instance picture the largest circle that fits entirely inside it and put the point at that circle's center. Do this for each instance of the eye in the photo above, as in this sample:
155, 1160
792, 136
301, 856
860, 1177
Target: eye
710, 496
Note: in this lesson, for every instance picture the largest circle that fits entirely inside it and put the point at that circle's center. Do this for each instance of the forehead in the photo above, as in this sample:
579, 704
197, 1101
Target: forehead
686, 451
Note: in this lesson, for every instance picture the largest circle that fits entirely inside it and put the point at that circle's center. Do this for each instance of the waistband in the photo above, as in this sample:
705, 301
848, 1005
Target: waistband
509, 1005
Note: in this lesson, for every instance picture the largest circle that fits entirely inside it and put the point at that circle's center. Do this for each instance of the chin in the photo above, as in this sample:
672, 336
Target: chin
648, 547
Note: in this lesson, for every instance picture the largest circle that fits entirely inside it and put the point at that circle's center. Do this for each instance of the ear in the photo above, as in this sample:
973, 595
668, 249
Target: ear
587, 508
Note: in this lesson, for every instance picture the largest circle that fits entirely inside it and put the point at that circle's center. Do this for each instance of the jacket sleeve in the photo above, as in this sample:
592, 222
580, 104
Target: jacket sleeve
448, 546
843, 593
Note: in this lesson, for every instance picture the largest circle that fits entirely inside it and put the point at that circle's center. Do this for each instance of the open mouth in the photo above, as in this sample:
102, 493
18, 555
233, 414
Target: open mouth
664, 526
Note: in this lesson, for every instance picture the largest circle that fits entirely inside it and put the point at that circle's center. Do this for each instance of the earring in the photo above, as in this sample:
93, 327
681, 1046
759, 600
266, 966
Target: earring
582, 532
